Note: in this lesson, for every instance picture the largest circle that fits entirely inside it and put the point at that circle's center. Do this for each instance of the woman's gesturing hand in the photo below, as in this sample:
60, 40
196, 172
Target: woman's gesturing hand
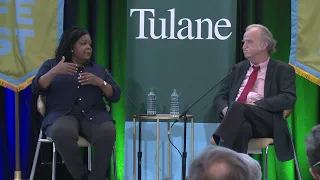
65, 67
89, 79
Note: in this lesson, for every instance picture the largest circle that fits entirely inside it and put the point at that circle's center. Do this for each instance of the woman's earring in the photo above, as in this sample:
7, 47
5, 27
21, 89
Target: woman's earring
71, 50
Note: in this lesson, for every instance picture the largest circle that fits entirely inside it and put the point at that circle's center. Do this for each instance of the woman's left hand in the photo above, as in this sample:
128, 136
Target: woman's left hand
89, 79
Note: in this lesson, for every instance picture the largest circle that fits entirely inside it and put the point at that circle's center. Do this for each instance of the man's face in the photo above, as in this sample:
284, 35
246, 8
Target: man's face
252, 45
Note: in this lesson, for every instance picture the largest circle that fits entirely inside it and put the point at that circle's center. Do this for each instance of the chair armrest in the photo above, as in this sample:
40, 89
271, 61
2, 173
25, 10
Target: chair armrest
286, 113
41, 105
259, 143
107, 107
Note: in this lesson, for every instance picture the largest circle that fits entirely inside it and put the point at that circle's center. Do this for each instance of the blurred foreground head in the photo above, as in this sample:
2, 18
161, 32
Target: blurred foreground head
218, 163
313, 151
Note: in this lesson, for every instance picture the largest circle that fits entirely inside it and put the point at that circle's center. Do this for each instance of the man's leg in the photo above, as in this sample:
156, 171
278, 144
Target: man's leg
64, 133
102, 137
242, 139
240, 118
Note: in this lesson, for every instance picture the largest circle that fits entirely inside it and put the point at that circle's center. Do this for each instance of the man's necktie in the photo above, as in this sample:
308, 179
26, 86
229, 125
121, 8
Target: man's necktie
251, 81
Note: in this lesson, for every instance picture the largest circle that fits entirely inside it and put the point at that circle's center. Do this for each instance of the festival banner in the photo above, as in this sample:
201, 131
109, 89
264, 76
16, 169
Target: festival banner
305, 39
29, 33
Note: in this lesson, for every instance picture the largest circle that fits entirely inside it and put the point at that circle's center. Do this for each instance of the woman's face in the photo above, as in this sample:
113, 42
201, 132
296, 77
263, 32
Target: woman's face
82, 49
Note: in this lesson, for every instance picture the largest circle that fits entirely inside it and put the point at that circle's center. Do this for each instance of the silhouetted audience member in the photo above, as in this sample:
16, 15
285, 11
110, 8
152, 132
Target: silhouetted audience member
313, 152
253, 165
218, 163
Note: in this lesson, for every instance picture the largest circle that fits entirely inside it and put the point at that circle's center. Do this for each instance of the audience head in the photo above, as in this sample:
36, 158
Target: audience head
75, 46
218, 163
313, 151
253, 165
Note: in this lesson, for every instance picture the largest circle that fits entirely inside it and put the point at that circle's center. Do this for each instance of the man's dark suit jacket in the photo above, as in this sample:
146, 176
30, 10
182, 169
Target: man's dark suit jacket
279, 95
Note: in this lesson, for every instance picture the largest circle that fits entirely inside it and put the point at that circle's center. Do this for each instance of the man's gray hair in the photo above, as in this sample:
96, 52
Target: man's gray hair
253, 165
203, 166
266, 35
313, 149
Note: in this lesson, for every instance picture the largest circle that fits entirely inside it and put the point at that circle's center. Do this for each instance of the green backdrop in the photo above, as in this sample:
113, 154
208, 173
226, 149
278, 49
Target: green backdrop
191, 66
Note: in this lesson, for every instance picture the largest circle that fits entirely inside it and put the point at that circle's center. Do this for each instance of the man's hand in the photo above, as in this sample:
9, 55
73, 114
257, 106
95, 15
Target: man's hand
89, 79
224, 110
212, 142
251, 103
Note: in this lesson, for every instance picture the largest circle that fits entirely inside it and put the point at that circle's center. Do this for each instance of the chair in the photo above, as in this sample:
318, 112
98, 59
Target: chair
81, 143
256, 146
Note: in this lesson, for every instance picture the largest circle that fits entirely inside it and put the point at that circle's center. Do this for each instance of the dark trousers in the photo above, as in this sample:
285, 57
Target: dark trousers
65, 131
241, 123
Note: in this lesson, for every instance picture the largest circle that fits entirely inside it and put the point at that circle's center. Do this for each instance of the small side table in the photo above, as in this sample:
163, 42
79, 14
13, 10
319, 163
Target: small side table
159, 117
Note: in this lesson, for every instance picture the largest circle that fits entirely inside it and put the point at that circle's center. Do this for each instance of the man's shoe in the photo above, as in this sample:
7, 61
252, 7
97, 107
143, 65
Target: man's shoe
213, 142
86, 176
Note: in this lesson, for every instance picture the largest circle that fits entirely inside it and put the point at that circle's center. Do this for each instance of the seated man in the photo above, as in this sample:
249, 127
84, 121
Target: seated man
252, 98
313, 152
218, 163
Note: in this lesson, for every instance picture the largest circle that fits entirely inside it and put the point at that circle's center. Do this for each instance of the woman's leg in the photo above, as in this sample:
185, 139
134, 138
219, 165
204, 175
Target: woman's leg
64, 133
102, 137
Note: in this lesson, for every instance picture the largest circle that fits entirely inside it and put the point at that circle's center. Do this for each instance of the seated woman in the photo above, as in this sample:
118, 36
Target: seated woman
74, 87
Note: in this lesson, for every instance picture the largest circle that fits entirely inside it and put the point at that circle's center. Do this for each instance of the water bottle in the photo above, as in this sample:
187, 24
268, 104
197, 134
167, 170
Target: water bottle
151, 103
174, 104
